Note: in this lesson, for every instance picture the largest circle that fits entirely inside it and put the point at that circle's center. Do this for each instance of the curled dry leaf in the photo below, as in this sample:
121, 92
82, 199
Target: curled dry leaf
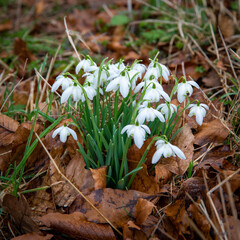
76, 226
116, 205
143, 210
35, 236
213, 131
100, 177
8, 127
20, 212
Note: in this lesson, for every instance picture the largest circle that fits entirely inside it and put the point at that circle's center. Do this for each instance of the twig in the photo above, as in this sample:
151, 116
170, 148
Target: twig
70, 39
75, 188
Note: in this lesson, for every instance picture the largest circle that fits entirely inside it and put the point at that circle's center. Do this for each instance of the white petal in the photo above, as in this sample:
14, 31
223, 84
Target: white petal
124, 87
157, 155
160, 116
78, 67
178, 152
72, 133
55, 86
63, 135
58, 130
66, 94
204, 105
199, 119
126, 128
193, 84
146, 128
167, 151
112, 85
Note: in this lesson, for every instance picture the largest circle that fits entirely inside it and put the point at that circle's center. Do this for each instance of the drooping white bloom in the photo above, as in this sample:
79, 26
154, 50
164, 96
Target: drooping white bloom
90, 91
64, 131
122, 83
115, 70
141, 68
156, 70
75, 91
155, 94
166, 149
167, 109
198, 110
133, 77
149, 84
185, 88
63, 81
137, 132
149, 114
87, 66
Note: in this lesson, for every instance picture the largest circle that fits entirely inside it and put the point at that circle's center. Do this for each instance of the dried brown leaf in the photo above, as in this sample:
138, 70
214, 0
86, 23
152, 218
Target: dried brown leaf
20, 212
143, 210
76, 226
35, 236
116, 205
213, 131
144, 183
100, 177
162, 174
6, 26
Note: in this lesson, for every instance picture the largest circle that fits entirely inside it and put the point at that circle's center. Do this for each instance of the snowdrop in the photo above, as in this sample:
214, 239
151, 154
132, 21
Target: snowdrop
75, 91
156, 70
141, 68
155, 94
166, 149
122, 83
198, 110
115, 70
86, 65
148, 113
64, 132
167, 109
138, 133
90, 91
63, 81
185, 88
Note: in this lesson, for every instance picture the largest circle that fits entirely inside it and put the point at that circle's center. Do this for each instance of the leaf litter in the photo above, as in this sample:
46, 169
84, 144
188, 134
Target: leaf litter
166, 202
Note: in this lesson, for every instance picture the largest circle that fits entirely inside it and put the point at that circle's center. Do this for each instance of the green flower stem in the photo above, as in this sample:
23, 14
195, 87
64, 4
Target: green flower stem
124, 159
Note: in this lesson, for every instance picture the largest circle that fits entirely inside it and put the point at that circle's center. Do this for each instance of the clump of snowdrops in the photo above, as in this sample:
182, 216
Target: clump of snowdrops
110, 110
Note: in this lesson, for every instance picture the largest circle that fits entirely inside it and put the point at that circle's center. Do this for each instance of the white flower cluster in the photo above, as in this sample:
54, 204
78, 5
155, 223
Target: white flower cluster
114, 77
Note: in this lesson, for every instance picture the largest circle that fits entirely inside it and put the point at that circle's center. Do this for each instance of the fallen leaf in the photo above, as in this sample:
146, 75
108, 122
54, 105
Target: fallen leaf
39, 8
116, 205
213, 131
226, 25
20, 212
143, 182
143, 210
76, 226
100, 177
8, 127
35, 236
201, 220
211, 79
162, 174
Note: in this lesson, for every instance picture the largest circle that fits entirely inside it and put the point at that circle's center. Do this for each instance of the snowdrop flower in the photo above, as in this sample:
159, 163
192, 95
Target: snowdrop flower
137, 132
185, 88
167, 109
166, 149
133, 76
122, 83
75, 91
148, 113
90, 91
63, 81
199, 110
115, 70
155, 94
141, 68
156, 70
87, 66
64, 131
